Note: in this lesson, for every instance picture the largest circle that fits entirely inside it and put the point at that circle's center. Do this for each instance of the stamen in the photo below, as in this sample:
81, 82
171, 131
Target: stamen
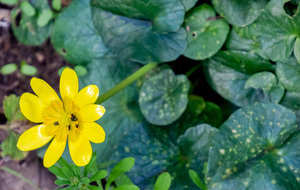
56, 123
76, 125
73, 118
69, 127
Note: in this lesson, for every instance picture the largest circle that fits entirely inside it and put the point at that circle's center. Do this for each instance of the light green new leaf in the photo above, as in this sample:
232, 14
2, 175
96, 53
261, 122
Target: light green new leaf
228, 71
256, 148
266, 81
288, 73
27, 30
164, 97
129, 29
9, 147
278, 31
8, 68
11, 108
206, 34
163, 182
74, 35
239, 12
27, 8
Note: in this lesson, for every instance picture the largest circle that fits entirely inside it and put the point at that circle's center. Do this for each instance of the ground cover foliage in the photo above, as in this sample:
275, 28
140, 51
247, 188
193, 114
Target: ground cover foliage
249, 53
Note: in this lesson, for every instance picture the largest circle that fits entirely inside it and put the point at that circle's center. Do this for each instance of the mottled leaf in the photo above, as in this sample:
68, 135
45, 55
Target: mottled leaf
228, 71
266, 81
288, 73
9, 147
188, 4
11, 108
256, 148
74, 35
164, 97
206, 34
239, 12
129, 29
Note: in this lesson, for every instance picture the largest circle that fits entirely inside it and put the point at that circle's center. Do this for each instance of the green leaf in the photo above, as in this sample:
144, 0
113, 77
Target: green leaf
9, 2
254, 149
166, 15
130, 30
163, 97
45, 17
188, 4
28, 70
228, 71
57, 171
266, 81
9, 147
239, 13
80, 70
8, 68
278, 31
127, 187
122, 180
196, 179
163, 181
123, 106
288, 73
212, 114
206, 34
297, 50
62, 182
90, 165
85, 180
194, 146
27, 8
27, 31
56, 4
120, 168
99, 175
74, 35
11, 107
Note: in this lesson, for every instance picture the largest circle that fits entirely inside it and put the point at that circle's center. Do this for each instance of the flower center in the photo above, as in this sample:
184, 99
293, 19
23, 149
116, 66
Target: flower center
67, 120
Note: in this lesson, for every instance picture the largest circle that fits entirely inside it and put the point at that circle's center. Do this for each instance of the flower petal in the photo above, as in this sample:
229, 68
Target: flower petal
34, 138
80, 148
91, 113
32, 107
43, 90
88, 95
68, 85
92, 131
56, 148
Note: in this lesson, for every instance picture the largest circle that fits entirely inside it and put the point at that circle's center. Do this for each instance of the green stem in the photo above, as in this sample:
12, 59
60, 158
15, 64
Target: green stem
192, 70
4, 127
20, 176
126, 82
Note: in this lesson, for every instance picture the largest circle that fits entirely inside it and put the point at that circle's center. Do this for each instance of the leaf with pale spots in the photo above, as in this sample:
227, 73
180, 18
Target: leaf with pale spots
239, 12
279, 31
256, 148
206, 33
288, 73
228, 71
74, 35
266, 81
246, 39
164, 97
129, 28
27, 30
155, 154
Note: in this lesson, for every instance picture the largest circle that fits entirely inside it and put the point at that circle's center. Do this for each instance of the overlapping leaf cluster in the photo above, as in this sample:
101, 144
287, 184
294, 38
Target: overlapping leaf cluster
250, 53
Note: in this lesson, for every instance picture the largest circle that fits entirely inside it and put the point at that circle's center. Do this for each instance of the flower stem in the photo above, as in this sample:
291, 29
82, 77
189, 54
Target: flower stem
192, 70
126, 82
19, 176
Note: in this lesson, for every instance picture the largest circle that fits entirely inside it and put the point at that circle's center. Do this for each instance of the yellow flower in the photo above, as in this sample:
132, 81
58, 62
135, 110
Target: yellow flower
71, 118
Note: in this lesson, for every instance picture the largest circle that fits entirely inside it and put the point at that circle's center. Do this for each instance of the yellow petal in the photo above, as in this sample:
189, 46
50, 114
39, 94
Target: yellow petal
43, 90
68, 85
80, 148
34, 138
92, 131
32, 107
91, 113
56, 148
52, 129
87, 95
